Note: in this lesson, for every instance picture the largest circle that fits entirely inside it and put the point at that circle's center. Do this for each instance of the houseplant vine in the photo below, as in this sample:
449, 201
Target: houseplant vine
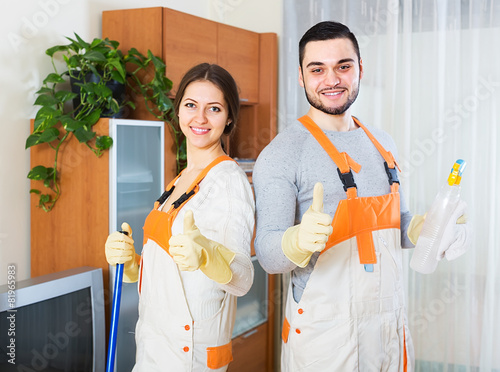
94, 69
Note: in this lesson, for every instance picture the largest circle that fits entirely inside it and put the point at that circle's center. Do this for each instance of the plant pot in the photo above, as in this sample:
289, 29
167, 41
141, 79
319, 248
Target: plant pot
116, 87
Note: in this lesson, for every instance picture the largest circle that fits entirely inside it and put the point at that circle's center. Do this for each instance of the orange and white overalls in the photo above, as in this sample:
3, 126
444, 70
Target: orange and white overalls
351, 316
167, 338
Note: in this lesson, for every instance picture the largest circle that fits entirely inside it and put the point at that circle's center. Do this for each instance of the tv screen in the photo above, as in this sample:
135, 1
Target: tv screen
57, 323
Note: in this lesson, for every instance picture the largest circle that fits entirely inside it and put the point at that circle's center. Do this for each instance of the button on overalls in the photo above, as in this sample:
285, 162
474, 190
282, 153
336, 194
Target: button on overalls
351, 316
167, 338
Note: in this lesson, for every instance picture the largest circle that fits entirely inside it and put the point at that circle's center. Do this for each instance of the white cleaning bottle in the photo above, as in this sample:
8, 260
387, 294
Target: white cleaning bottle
424, 259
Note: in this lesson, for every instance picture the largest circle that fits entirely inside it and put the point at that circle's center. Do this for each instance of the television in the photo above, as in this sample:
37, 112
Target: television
53, 322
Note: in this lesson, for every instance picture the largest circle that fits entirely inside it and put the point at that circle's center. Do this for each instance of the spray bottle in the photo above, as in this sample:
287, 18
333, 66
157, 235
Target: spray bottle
424, 259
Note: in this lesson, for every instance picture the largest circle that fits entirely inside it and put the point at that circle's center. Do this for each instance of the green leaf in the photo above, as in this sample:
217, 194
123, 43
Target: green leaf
58, 48
35, 191
116, 63
115, 75
93, 117
44, 198
102, 90
48, 135
53, 78
65, 95
81, 42
38, 173
157, 62
71, 124
46, 117
103, 142
95, 43
84, 135
44, 90
46, 100
115, 107
95, 56
113, 43
32, 140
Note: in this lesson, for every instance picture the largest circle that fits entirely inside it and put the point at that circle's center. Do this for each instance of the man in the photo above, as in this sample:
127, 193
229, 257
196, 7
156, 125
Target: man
345, 305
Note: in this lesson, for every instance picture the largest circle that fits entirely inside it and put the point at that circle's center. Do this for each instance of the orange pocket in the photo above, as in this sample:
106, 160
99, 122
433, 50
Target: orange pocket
219, 356
285, 331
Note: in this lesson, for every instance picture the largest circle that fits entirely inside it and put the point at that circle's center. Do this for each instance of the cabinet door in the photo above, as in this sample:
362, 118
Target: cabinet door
238, 52
187, 41
136, 181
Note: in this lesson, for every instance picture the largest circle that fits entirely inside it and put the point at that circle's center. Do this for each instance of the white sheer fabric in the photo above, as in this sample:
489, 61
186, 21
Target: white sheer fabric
432, 80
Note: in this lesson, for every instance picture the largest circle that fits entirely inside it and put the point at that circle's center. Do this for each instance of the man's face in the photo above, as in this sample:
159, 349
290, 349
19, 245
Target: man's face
330, 75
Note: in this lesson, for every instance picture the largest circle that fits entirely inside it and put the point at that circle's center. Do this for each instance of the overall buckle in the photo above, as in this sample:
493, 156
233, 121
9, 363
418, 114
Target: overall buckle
392, 173
347, 179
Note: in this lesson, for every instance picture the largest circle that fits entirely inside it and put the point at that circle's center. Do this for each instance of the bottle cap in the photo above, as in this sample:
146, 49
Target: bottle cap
456, 172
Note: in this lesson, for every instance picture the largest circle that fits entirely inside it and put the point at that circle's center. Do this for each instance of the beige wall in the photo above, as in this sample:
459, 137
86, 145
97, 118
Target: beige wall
28, 28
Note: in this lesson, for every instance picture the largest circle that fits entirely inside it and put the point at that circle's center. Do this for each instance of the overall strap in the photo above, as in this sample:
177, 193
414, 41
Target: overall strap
192, 189
390, 162
343, 161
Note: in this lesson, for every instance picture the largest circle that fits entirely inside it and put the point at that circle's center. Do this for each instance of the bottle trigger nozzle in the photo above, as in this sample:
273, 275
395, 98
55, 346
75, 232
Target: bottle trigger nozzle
456, 172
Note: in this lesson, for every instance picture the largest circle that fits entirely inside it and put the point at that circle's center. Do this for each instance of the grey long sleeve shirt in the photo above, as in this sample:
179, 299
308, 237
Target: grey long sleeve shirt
284, 177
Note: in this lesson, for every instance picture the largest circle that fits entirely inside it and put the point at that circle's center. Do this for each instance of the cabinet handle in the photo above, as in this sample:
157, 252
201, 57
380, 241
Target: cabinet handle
244, 99
250, 333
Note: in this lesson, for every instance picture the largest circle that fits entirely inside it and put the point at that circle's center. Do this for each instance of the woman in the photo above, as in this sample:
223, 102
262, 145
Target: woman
196, 254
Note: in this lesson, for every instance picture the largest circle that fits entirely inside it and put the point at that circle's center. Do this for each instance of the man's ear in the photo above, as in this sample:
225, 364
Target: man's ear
360, 68
301, 79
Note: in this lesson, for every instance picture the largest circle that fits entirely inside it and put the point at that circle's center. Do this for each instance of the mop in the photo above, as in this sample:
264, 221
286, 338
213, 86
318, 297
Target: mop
115, 312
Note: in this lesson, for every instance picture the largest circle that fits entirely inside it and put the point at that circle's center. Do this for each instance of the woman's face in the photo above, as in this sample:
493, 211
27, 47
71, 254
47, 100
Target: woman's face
203, 114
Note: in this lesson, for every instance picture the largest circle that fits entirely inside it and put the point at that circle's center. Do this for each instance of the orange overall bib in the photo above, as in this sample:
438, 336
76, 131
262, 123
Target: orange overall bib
351, 316
167, 338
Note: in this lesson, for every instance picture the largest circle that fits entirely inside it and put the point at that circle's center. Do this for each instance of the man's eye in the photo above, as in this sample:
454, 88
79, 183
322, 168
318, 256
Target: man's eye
316, 70
345, 67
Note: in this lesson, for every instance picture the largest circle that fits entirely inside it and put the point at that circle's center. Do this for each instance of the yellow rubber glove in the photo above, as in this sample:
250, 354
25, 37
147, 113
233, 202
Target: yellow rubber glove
417, 222
299, 242
415, 227
192, 251
119, 249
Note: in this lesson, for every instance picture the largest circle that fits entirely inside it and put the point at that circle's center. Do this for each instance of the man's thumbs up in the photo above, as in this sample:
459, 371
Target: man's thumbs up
299, 242
317, 204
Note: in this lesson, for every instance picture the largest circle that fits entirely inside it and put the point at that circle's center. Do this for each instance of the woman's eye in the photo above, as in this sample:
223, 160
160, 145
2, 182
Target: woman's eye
215, 109
190, 105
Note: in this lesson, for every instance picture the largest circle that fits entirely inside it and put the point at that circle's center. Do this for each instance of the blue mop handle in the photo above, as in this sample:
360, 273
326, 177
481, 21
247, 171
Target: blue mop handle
115, 313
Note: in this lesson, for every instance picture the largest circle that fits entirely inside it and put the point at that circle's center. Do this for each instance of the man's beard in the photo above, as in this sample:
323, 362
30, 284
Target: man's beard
333, 110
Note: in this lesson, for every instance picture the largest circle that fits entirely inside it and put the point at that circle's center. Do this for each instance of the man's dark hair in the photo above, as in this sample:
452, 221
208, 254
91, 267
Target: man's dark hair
327, 30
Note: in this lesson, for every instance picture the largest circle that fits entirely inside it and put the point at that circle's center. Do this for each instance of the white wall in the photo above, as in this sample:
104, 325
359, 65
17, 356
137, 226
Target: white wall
27, 29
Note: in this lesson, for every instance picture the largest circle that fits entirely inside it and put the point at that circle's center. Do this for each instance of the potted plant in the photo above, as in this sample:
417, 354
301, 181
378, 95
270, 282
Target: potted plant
97, 76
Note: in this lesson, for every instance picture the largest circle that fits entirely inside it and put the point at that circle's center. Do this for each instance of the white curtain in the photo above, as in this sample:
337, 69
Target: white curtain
432, 80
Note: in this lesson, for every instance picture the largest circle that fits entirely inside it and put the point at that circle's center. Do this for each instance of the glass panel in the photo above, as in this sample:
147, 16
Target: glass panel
139, 184
252, 307
138, 175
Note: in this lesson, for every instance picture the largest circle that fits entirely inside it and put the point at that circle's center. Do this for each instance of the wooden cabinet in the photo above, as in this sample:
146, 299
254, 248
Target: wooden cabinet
74, 232
238, 52
187, 41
